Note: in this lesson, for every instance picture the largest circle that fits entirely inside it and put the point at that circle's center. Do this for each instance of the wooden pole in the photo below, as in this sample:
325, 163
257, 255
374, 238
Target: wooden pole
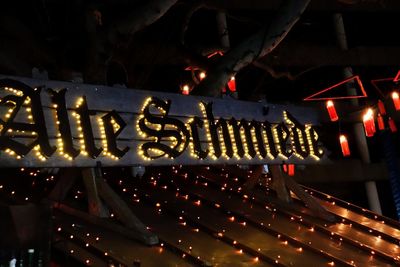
121, 209
278, 184
95, 206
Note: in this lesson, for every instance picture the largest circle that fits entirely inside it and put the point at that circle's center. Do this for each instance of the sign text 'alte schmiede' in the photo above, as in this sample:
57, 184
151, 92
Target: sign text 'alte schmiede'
159, 135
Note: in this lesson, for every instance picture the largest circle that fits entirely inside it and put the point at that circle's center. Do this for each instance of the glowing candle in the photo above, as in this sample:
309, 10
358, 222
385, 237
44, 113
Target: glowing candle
202, 75
396, 100
331, 110
232, 84
185, 89
369, 123
291, 168
344, 144
381, 123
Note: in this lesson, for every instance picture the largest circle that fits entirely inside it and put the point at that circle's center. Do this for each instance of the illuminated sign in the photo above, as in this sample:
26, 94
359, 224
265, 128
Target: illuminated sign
48, 123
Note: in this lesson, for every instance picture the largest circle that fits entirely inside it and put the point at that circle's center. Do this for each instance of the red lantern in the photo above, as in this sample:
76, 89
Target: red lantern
232, 84
381, 123
381, 107
392, 125
284, 168
202, 75
291, 168
369, 123
331, 110
344, 144
185, 89
288, 169
396, 100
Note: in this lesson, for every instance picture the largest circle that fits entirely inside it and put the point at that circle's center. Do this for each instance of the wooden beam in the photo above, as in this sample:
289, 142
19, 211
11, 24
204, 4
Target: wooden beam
278, 184
124, 213
315, 6
349, 170
308, 200
253, 179
105, 223
299, 55
287, 54
95, 206
66, 180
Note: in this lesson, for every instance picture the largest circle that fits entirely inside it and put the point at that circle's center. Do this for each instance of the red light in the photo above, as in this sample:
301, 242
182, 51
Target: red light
291, 168
232, 84
185, 89
344, 144
397, 78
331, 110
392, 125
381, 123
381, 107
396, 100
202, 75
369, 123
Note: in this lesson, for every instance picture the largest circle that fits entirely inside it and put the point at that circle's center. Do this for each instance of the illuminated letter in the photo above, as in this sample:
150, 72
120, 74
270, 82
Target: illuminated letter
161, 126
297, 136
64, 127
194, 124
84, 116
25, 94
281, 136
312, 140
110, 121
215, 127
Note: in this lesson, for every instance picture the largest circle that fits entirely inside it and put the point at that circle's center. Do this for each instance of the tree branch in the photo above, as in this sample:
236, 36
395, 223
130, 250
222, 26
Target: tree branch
185, 24
284, 74
144, 16
257, 45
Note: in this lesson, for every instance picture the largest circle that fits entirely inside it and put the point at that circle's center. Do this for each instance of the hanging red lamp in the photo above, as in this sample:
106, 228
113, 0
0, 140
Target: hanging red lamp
331, 110
344, 144
381, 123
381, 107
289, 169
202, 75
396, 100
369, 123
232, 84
185, 89
392, 125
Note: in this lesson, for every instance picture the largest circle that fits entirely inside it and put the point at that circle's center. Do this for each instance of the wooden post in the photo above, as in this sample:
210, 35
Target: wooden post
68, 177
278, 184
95, 206
107, 224
121, 209
309, 200
248, 186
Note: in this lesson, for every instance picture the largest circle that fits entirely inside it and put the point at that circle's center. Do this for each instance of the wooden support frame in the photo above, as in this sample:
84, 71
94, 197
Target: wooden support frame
282, 183
253, 179
278, 184
100, 192
95, 206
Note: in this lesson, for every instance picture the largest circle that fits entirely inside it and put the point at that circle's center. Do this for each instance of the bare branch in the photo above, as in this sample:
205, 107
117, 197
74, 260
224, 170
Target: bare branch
185, 24
144, 16
257, 45
284, 74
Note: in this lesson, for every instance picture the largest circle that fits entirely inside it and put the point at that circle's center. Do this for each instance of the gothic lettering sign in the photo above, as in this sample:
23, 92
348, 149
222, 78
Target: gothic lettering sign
60, 124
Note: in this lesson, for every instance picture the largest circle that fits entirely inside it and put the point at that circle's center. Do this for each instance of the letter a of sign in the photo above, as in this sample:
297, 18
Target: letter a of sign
23, 94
